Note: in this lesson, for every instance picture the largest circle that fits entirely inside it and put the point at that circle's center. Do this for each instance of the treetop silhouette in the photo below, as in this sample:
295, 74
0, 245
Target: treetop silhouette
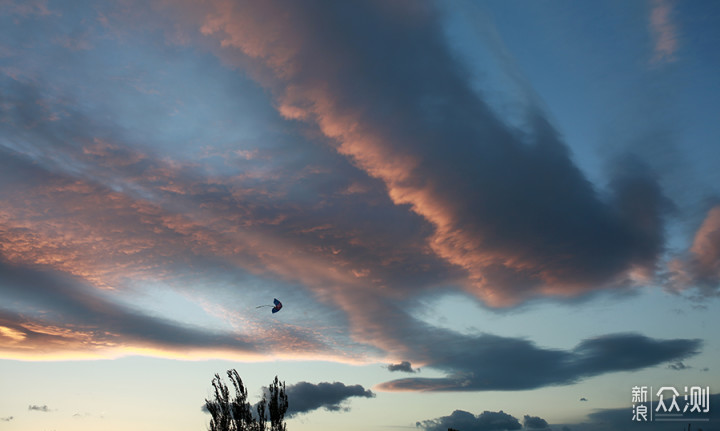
234, 413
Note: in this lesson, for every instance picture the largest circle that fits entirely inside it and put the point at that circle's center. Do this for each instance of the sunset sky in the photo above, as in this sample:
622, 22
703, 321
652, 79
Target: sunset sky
486, 215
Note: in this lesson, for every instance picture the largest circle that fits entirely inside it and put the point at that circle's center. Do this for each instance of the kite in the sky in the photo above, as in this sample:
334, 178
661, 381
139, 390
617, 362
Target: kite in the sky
275, 308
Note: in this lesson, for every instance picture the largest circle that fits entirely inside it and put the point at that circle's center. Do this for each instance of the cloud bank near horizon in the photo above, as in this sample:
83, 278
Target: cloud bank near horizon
460, 419
600, 420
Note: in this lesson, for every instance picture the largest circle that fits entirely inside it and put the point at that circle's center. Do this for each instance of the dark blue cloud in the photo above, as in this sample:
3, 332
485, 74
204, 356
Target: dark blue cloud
534, 422
489, 362
617, 419
305, 397
465, 421
403, 366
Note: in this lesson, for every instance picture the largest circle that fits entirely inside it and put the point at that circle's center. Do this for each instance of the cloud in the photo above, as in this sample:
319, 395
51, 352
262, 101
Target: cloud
700, 267
421, 188
462, 420
42, 408
499, 363
119, 223
664, 31
535, 422
34, 7
213, 233
511, 210
679, 365
598, 420
619, 419
403, 366
64, 316
471, 202
305, 397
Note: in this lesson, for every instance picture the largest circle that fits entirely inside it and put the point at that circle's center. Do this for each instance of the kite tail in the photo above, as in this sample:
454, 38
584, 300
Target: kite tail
261, 306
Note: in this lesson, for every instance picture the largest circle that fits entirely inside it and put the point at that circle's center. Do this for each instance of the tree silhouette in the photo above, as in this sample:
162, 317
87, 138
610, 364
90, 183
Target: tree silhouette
262, 413
235, 413
278, 405
219, 407
239, 407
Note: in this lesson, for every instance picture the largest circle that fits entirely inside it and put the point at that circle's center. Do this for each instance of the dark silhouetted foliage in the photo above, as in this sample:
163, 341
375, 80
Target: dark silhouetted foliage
262, 413
277, 405
235, 413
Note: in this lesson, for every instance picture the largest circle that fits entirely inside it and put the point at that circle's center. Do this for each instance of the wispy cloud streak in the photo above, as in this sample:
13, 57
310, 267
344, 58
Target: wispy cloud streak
664, 31
36, 408
699, 267
62, 317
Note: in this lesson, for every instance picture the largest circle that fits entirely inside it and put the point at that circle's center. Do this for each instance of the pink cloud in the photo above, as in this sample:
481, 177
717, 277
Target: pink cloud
664, 31
309, 75
114, 241
706, 245
439, 152
700, 267
24, 8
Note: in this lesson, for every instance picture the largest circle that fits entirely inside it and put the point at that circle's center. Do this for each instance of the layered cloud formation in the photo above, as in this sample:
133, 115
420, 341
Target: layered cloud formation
262, 149
510, 208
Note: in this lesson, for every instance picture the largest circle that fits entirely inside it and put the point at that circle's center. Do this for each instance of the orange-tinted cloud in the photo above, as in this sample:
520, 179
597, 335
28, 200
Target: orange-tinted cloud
49, 315
700, 267
518, 217
425, 188
81, 230
706, 246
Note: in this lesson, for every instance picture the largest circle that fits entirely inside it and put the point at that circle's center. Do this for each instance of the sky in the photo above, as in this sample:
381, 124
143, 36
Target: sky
485, 215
